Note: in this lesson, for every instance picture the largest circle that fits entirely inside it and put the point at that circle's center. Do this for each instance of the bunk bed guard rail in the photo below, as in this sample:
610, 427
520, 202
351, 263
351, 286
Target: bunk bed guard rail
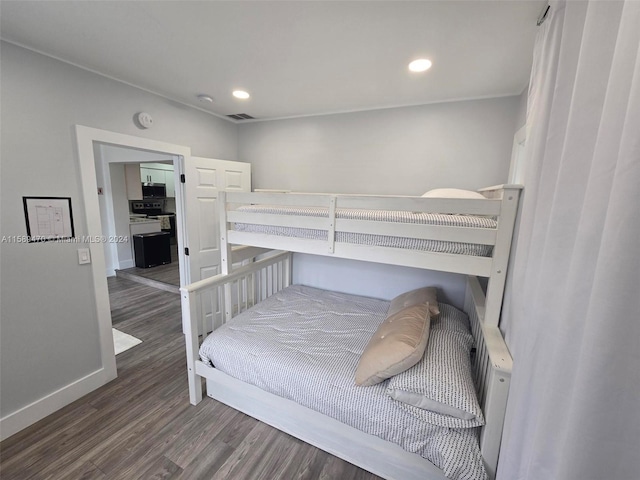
211, 302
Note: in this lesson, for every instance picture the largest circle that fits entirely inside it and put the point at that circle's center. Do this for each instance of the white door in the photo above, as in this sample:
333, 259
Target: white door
204, 178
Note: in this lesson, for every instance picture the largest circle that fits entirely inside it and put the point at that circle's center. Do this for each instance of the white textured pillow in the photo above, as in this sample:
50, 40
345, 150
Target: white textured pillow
415, 297
398, 344
439, 389
452, 193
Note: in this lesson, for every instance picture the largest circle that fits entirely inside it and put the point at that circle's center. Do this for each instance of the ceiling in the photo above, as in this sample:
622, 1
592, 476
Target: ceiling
294, 58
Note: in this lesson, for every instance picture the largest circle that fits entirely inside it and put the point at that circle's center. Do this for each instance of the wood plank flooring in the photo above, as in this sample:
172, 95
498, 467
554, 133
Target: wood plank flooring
141, 425
164, 277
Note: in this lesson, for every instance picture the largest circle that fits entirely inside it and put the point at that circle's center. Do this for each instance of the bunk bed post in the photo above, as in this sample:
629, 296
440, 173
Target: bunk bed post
331, 230
495, 407
225, 253
509, 194
225, 248
288, 269
190, 329
493, 377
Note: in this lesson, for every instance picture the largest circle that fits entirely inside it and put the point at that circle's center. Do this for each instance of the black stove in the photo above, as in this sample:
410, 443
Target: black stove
147, 207
152, 208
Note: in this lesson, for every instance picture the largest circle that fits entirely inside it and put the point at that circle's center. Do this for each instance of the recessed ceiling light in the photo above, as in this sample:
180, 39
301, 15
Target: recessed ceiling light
420, 65
205, 98
241, 94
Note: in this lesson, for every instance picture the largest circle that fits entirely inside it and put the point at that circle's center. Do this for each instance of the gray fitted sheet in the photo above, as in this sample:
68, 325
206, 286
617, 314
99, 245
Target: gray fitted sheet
304, 343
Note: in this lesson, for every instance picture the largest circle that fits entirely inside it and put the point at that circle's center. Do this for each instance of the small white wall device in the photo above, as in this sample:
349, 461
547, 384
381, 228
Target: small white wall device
144, 120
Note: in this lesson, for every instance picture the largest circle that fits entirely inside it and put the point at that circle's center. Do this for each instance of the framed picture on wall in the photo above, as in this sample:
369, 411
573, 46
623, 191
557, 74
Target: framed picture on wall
48, 218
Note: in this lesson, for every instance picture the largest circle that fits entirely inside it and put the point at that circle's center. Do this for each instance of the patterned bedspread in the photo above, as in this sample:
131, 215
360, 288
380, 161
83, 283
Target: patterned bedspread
303, 344
369, 239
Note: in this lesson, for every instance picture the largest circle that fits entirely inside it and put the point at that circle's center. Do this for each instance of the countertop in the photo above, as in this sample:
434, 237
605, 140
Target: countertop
138, 220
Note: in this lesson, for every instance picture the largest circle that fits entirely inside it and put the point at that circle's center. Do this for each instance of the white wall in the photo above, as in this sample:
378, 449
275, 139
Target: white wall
404, 151
49, 327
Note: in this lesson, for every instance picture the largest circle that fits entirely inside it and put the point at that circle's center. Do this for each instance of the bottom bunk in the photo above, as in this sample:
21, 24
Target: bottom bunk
290, 362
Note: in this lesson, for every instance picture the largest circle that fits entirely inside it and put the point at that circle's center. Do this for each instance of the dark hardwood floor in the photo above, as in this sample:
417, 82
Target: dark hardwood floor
141, 425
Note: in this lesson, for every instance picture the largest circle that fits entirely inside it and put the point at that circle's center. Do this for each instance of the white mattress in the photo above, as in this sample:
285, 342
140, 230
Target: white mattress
369, 239
303, 344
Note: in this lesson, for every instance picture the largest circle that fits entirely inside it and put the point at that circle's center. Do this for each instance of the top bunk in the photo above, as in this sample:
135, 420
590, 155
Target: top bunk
460, 235
470, 236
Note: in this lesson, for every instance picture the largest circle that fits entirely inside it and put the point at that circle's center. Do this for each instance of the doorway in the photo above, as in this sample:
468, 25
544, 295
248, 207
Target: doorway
134, 218
87, 139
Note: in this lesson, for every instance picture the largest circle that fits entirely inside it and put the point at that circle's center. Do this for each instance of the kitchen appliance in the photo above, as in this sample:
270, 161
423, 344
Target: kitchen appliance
147, 208
152, 249
154, 190
156, 209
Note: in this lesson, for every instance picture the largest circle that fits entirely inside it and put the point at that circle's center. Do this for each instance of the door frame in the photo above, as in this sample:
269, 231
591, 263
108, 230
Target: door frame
85, 138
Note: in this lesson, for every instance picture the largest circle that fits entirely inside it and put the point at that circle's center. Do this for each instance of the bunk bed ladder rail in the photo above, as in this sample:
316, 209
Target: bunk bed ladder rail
209, 303
492, 365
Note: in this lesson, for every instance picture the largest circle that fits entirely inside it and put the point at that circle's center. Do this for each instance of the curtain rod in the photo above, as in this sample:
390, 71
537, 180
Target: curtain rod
543, 15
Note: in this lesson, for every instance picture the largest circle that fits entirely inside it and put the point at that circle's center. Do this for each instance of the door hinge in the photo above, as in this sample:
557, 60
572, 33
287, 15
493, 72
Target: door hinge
182, 178
186, 251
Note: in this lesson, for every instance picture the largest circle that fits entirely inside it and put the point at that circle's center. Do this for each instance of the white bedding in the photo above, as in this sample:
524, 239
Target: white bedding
369, 239
303, 344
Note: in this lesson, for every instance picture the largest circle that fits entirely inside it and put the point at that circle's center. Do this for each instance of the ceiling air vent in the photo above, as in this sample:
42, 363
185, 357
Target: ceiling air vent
240, 116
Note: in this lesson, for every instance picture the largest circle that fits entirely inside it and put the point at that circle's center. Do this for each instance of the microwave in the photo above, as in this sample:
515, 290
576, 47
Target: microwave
154, 190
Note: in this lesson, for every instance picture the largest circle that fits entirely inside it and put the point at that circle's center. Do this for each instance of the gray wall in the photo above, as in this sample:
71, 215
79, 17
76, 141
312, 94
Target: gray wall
49, 331
400, 151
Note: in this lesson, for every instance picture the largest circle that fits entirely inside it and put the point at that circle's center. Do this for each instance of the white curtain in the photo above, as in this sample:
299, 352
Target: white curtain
572, 316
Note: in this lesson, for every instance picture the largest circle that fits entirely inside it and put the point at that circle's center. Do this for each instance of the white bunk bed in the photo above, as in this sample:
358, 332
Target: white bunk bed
209, 303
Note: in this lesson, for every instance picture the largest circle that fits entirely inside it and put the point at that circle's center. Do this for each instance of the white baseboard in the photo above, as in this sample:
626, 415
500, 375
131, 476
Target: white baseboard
30, 414
127, 264
111, 271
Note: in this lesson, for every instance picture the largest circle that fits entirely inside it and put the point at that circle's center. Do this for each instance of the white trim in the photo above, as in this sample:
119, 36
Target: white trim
127, 264
85, 138
373, 109
30, 414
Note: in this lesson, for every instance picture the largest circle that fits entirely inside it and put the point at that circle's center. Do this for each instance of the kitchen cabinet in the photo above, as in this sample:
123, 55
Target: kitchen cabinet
159, 173
151, 175
170, 183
